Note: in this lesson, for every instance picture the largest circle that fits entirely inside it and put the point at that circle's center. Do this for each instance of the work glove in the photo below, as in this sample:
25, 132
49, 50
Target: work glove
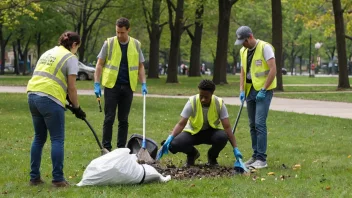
97, 89
165, 148
237, 153
79, 113
261, 95
144, 88
242, 96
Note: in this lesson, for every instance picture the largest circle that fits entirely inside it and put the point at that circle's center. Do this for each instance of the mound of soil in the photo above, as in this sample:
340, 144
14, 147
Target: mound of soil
195, 172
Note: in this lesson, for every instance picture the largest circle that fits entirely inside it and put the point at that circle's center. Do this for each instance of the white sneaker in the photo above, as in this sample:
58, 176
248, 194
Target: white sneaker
249, 162
258, 164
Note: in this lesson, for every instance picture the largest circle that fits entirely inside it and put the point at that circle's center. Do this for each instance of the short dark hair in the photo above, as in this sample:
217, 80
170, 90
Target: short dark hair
123, 22
207, 85
68, 38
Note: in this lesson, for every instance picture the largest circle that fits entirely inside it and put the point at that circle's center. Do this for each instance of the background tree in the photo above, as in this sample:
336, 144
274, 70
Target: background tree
220, 65
277, 40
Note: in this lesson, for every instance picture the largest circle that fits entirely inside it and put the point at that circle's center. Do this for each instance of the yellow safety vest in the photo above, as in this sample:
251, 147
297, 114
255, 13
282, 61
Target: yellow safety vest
259, 68
195, 121
48, 77
113, 59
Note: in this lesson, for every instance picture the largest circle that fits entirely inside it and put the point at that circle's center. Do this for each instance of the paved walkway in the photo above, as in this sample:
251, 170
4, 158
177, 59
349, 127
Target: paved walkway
312, 107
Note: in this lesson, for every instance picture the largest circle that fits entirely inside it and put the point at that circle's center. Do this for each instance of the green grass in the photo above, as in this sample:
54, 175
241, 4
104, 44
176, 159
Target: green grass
340, 97
188, 86
319, 144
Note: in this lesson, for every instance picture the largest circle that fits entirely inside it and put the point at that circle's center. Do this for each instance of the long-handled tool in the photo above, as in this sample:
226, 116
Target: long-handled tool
98, 99
103, 150
239, 166
70, 107
143, 154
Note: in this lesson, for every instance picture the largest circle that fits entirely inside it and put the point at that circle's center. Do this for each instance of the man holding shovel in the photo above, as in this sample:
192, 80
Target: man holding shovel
257, 81
120, 63
204, 120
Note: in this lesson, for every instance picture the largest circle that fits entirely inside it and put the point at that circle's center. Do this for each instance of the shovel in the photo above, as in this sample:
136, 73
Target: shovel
239, 166
143, 154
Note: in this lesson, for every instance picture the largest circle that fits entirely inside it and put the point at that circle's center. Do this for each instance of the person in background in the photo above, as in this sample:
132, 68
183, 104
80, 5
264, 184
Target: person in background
53, 79
120, 65
257, 81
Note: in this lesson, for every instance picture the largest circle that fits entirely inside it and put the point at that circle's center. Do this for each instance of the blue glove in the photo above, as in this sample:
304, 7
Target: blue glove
237, 153
165, 148
97, 89
242, 96
144, 88
261, 95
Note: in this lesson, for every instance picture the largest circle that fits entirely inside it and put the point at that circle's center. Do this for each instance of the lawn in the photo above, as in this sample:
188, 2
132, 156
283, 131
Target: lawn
188, 86
320, 145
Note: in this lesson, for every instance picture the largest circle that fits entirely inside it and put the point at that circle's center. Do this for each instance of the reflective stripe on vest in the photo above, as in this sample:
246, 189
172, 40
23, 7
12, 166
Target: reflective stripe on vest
48, 77
259, 68
195, 122
112, 64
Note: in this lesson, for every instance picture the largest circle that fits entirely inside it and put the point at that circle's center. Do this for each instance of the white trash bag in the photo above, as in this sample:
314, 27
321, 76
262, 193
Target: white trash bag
119, 167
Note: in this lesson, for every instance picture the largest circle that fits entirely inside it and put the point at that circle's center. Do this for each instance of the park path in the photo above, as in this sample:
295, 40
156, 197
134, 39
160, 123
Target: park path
312, 107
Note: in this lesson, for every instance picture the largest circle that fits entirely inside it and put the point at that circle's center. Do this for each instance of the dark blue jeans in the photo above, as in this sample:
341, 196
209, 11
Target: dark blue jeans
257, 115
47, 115
120, 96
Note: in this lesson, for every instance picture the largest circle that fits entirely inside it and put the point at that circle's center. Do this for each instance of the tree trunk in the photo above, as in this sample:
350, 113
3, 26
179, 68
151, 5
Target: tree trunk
176, 32
2, 48
15, 62
154, 35
38, 42
277, 40
341, 45
194, 65
220, 65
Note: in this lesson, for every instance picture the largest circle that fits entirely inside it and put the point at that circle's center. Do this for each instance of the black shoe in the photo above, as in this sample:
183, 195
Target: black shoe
212, 161
191, 159
60, 184
36, 182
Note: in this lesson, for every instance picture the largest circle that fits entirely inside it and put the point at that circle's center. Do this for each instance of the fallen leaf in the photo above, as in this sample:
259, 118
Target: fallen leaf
70, 177
294, 168
254, 178
349, 156
262, 179
193, 185
271, 173
328, 188
253, 170
298, 166
296, 176
5, 192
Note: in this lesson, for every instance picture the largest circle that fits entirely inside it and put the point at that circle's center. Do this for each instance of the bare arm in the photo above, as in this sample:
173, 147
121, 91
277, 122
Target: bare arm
241, 80
98, 70
141, 73
272, 73
71, 90
227, 128
179, 126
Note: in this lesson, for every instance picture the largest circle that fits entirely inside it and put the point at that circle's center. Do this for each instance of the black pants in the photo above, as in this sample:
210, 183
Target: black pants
119, 96
185, 142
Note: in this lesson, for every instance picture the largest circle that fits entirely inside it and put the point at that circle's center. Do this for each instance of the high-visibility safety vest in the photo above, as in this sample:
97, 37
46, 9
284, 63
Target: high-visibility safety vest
259, 68
48, 77
113, 59
195, 121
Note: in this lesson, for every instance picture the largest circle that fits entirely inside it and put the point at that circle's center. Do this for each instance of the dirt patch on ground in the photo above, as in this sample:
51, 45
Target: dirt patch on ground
195, 172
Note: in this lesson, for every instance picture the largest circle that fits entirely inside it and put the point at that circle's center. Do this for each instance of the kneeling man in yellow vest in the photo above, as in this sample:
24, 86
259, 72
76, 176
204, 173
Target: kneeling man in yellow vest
204, 120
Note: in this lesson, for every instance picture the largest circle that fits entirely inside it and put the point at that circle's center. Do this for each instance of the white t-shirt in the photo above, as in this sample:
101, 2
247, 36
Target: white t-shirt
187, 112
267, 51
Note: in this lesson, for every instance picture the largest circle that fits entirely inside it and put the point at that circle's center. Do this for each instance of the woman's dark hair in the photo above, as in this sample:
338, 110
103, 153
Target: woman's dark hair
207, 85
68, 38
123, 22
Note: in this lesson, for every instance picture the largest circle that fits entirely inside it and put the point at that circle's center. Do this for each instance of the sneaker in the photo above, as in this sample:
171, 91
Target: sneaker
192, 159
258, 164
249, 162
36, 182
60, 184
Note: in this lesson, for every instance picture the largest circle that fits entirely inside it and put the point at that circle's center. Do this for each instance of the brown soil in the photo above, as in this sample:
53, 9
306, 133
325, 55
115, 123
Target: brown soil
194, 172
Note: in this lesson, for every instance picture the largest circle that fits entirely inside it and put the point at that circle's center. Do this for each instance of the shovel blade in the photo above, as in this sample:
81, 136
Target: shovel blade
240, 167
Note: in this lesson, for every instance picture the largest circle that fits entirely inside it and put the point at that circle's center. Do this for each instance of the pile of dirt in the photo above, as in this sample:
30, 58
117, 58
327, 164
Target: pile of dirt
195, 172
